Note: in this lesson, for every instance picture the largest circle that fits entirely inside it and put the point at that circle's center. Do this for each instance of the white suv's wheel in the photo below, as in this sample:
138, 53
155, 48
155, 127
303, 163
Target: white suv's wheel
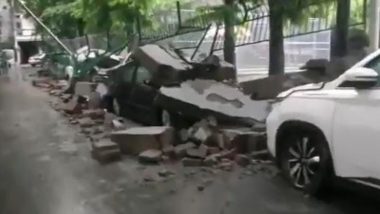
166, 119
305, 160
116, 107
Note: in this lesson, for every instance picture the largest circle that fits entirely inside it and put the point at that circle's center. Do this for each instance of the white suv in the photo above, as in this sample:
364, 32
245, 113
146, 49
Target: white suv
330, 129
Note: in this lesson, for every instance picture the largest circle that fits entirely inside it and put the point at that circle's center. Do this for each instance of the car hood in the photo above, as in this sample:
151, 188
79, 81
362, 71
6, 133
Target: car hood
307, 87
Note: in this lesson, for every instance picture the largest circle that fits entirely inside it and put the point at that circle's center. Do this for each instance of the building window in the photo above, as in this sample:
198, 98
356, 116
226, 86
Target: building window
18, 25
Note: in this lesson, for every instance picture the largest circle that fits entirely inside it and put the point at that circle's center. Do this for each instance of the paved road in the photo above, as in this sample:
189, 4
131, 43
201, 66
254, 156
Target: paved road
45, 168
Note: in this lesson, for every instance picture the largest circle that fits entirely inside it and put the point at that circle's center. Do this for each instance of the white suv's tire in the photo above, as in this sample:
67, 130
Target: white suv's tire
305, 160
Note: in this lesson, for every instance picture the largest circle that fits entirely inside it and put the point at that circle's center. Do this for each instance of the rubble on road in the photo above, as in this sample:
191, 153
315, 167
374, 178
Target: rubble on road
181, 150
192, 162
201, 98
202, 91
94, 113
165, 173
86, 122
245, 140
84, 89
150, 156
200, 152
242, 160
105, 151
118, 124
136, 140
94, 100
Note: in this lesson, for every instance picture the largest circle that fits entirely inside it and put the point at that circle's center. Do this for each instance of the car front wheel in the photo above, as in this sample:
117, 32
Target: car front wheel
305, 161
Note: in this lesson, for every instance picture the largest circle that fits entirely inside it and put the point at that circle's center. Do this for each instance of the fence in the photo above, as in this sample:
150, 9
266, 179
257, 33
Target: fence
197, 37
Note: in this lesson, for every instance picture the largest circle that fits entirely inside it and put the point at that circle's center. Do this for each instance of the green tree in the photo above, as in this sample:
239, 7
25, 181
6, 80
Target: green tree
58, 13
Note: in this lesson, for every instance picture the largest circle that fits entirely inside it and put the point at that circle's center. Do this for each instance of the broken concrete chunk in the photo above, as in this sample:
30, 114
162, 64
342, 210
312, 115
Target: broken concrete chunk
259, 127
66, 97
97, 130
86, 122
108, 118
150, 156
137, 140
242, 160
226, 154
192, 162
165, 173
226, 165
86, 131
184, 135
210, 160
94, 113
84, 88
246, 140
215, 140
220, 98
106, 156
119, 124
72, 107
180, 150
200, 152
260, 155
94, 100
202, 134
104, 145
168, 151
212, 121
213, 150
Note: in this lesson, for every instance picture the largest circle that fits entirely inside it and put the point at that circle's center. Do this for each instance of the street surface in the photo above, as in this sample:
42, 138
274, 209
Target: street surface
46, 168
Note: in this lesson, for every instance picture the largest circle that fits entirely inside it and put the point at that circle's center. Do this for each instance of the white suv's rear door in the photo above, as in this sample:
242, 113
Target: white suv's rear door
356, 131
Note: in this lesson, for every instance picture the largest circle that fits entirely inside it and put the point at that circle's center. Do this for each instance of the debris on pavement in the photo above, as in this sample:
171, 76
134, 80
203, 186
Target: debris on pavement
105, 151
242, 160
118, 124
203, 90
181, 150
136, 140
86, 122
165, 173
202, 97
84, 89
150, 156
191, 162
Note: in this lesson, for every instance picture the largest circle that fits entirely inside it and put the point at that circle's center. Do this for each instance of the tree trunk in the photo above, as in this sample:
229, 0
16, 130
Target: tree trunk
80, 27
229, 37
340, 34
276, 39
108, 39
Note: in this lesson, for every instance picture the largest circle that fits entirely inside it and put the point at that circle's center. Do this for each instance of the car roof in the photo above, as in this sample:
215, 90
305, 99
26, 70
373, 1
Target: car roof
153, 56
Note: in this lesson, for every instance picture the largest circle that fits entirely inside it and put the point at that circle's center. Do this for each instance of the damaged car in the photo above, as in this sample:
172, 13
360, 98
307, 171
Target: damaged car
158, 86
322, 131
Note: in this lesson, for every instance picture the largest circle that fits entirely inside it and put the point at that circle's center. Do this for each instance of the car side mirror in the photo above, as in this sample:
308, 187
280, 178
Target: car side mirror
360, 78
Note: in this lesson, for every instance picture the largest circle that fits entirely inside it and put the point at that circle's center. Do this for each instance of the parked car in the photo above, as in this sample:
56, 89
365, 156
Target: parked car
37, 60
320, 131
134, 88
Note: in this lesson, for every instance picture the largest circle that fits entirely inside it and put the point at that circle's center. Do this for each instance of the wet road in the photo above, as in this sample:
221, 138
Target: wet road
45, 168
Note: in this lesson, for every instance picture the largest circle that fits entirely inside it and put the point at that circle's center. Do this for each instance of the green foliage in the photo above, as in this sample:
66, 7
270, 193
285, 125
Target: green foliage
97, 15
